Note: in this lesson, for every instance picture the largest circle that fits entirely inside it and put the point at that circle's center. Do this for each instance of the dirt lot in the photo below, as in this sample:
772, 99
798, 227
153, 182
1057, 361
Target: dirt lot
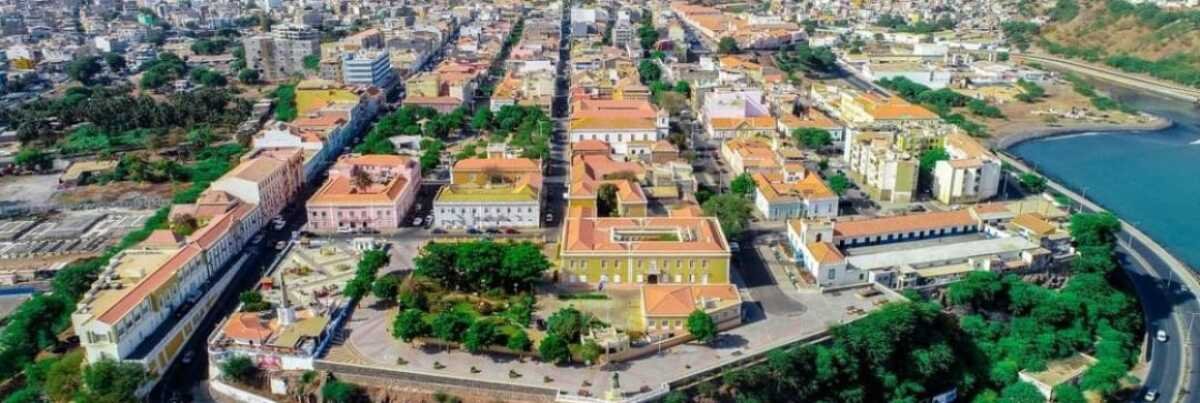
1060, 99
113, 192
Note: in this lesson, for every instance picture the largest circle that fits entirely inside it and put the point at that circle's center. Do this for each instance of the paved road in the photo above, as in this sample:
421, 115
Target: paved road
1167, 290
1137, 81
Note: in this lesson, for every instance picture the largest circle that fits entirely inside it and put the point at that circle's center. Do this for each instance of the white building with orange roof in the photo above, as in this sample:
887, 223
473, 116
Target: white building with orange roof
777, 199
650, 250
871, 110
897, 252
972, 174
624, 124
490, 193
365, 191
150, 299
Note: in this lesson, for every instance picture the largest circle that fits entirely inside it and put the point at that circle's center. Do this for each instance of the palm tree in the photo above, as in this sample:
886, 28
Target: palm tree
360, 178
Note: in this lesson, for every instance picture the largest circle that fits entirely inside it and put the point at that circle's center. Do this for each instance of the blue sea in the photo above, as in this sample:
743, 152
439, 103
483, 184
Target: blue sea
1150, 179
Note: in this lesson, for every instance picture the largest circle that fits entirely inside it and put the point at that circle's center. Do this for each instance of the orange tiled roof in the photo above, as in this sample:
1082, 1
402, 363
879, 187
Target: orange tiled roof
755, 122
903, 223
680, 300
247, 326
702, 235
150, 284
824, 252
774, 188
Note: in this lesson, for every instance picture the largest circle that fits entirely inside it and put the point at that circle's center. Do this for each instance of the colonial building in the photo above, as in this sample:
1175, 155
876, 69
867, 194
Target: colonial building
365, 191
651, 250
624, 125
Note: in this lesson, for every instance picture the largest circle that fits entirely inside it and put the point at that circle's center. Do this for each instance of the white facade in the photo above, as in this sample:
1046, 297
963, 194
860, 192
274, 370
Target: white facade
368, 70
966, 181
619, 139
795, 207
485, 214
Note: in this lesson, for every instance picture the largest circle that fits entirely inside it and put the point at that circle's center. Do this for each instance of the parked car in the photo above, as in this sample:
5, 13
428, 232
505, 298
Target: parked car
438, 231
1151, 395
417, 221
472, 231
511, 231
280, 245
492, 231
1161, 335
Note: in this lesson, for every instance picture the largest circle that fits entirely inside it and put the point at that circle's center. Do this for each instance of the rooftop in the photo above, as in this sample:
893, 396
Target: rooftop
682, 300
615, 235
941, 253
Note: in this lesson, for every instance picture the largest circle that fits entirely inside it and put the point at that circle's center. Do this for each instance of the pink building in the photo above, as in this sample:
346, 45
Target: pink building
365, 191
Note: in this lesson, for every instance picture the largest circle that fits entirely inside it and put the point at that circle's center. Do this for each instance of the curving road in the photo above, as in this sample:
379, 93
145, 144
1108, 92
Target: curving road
1167, 291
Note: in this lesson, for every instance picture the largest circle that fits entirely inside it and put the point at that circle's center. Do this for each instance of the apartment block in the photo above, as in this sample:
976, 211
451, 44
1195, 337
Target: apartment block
972, 174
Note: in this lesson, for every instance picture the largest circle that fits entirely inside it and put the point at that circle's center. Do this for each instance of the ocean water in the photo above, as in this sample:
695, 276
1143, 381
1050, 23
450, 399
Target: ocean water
1150, 179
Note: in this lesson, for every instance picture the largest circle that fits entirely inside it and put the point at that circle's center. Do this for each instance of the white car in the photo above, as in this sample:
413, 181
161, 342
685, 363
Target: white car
1161, 335
417, 222
1151, 396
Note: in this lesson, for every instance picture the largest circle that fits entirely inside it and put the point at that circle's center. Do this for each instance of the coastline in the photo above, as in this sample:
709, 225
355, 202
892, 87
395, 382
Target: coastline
1040, 132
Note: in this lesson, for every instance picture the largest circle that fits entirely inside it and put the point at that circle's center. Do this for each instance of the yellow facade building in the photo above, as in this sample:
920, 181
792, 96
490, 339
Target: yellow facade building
652, 250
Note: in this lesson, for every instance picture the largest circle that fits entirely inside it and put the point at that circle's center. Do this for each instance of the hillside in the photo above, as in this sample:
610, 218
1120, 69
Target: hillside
1134, 38
1143, 31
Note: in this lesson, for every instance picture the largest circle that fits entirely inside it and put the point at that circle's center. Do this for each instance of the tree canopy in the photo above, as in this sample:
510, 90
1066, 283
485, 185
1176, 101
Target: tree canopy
733, 211
482, 265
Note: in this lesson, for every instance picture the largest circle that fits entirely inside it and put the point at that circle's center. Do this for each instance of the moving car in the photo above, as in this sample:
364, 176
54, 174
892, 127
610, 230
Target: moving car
1161, 335
1151, 396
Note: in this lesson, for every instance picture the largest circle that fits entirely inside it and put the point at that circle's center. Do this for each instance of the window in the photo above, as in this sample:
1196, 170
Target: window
832, 274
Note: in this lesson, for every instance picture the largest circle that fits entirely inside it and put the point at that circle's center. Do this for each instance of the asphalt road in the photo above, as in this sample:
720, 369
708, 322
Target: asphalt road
1167, 305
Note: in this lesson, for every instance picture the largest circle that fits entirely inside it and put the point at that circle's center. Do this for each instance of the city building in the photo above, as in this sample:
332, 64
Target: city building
367, 69
150, 299
490, 193
777, 199
972, 174
682, 249
365, 191
283, 52
665, 307
883, 172
732, 114
750, 155
894, 251
629, 127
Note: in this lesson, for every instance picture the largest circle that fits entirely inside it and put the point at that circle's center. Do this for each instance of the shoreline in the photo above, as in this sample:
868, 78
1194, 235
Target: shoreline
1042, 132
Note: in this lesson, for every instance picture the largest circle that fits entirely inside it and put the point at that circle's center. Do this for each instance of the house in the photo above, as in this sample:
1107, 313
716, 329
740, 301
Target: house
777, 199
593, 174
365, 191
665, 307
750, 155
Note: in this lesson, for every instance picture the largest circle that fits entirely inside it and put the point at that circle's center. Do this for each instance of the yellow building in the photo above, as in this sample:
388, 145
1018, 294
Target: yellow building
653, 250
490, 193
